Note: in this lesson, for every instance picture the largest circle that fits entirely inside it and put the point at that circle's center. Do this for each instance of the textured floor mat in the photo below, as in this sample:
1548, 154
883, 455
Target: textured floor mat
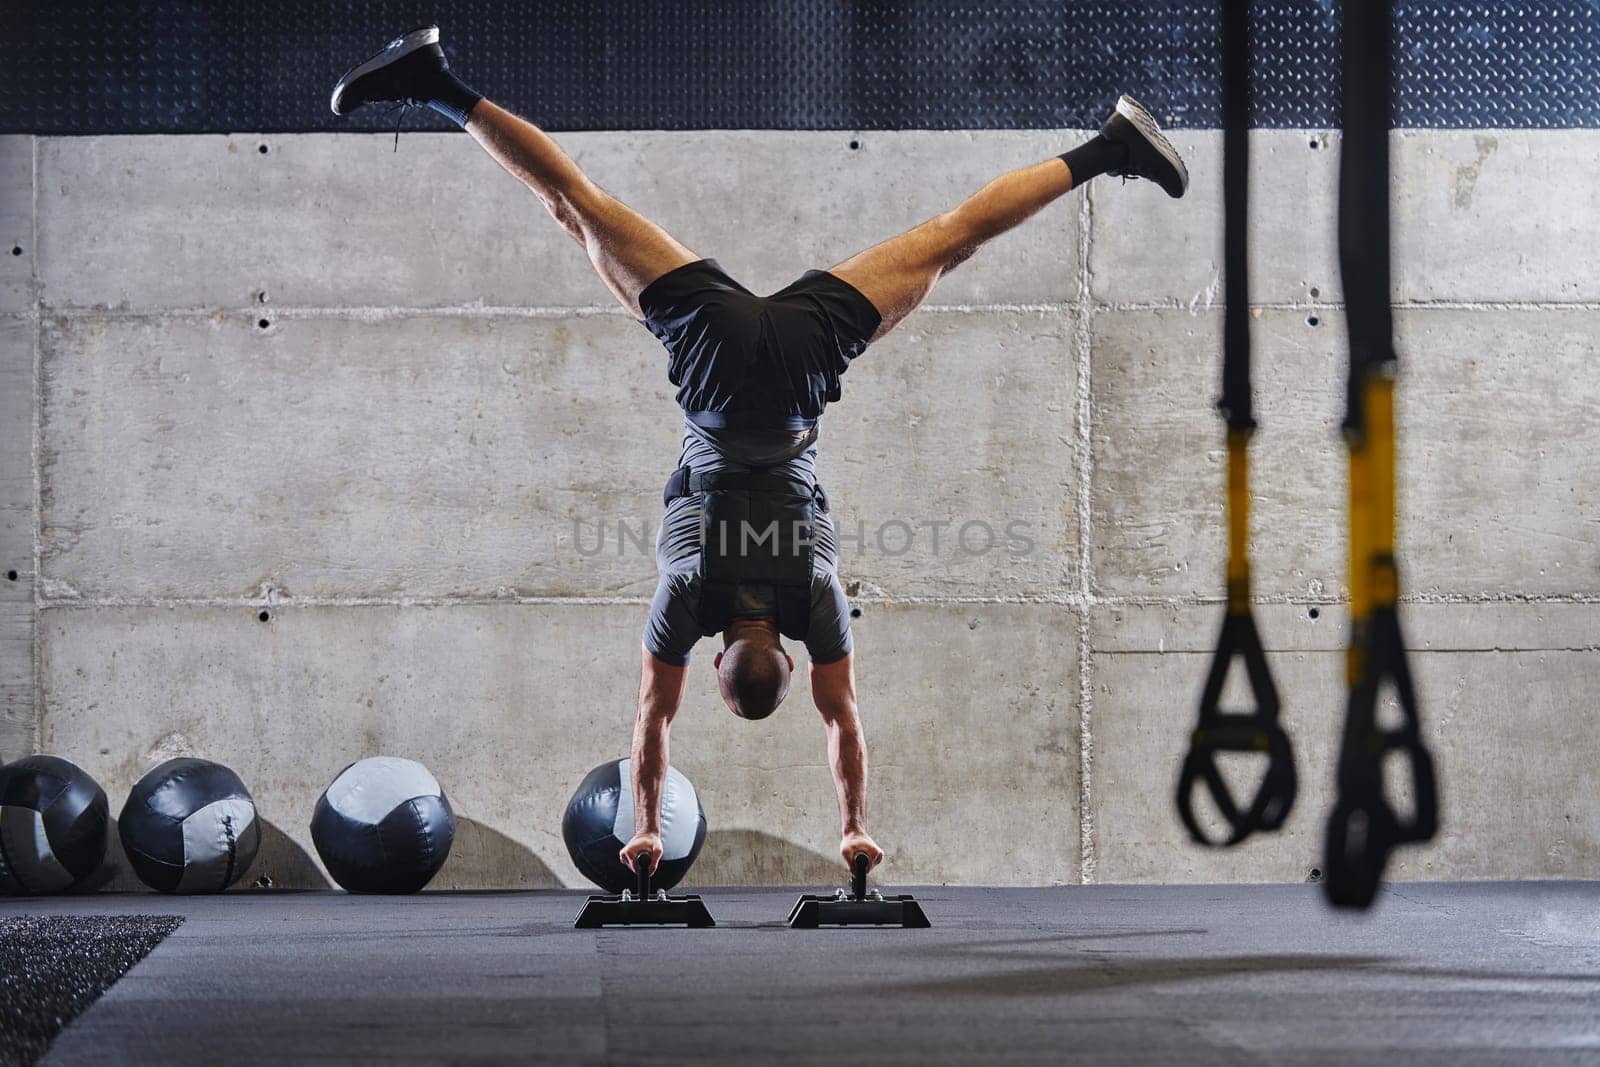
53, 967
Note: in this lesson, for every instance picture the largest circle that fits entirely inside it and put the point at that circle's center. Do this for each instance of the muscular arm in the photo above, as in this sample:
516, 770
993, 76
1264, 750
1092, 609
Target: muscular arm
661, 689
833, 688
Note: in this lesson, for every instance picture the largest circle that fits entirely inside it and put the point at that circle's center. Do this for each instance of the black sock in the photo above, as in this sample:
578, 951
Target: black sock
1095, 156
451, 97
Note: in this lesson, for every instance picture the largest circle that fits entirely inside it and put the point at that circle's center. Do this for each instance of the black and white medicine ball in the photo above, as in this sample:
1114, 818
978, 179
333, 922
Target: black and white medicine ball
383, 826
599, 821
189, 826
53, 820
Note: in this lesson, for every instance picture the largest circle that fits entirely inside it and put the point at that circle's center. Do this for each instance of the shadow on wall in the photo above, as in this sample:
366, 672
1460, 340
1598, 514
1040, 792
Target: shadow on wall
749, 857
113, 875
484, 858
480, 858
282, 864
279, 864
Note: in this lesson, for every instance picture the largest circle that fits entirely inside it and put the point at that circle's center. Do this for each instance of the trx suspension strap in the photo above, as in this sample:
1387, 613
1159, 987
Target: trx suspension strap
1364, 827
1255, 731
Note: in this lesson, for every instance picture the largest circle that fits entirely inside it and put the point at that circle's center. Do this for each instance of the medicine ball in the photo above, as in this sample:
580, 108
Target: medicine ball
53, 820
599, 821
383, 826
189, 826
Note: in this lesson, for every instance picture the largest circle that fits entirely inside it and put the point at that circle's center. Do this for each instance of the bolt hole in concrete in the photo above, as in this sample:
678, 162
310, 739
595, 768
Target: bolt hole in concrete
262, 149
1315, 292
11, 576
1315, 613
1314, 144
16, 250
855, 613
1315, 875
1312, 320
261, 297
265, 616
264, 323
854, 145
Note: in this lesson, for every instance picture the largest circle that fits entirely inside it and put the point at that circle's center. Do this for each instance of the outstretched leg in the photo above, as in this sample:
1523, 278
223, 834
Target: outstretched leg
627, 249
898, 274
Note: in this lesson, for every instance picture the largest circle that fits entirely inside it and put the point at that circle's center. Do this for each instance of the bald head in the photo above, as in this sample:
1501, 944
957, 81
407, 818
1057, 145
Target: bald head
753, 670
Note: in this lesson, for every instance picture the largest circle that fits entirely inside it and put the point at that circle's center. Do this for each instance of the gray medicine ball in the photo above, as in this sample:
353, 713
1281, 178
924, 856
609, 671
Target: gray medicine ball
53, 820
599, 821
383, 826
189, 826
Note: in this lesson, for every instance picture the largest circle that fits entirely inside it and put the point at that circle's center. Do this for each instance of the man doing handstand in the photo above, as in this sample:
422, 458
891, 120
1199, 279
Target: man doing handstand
746, 548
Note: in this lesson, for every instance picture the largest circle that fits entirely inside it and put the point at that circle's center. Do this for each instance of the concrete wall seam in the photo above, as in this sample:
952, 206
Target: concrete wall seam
1085, 474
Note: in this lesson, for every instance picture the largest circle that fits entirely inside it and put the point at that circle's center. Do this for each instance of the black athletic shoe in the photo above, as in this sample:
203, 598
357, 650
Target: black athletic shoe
1150, 155
398, 74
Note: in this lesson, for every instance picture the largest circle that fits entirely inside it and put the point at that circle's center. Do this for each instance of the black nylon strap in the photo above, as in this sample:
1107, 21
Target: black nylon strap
1364, 826
1364, 197
1256, 730
748, 482
1235, 403
750, 420
677, 486
686, 482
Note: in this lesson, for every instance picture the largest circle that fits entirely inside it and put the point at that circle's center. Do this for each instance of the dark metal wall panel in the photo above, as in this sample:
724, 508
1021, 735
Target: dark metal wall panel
190, 66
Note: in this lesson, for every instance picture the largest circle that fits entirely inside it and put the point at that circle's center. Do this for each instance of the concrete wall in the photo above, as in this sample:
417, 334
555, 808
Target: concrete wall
310, 445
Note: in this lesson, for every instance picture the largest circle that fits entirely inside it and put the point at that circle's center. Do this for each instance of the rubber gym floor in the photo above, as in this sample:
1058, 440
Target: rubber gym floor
1437, 973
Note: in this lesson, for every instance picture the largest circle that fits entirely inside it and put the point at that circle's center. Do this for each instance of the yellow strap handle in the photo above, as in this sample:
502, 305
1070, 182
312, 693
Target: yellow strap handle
1385, 579
1374, 579
1238, 522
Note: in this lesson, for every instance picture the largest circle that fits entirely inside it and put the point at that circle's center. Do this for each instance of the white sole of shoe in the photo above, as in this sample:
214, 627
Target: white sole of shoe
1146, 124
398, 48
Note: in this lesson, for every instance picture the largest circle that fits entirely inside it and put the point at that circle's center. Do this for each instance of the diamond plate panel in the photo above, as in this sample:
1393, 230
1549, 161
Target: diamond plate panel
190, 66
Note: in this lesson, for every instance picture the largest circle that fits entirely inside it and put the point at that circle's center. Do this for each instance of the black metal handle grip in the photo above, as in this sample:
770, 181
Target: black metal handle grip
1364, 826
1274, 798
641, 870
1256, 731
859, 863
